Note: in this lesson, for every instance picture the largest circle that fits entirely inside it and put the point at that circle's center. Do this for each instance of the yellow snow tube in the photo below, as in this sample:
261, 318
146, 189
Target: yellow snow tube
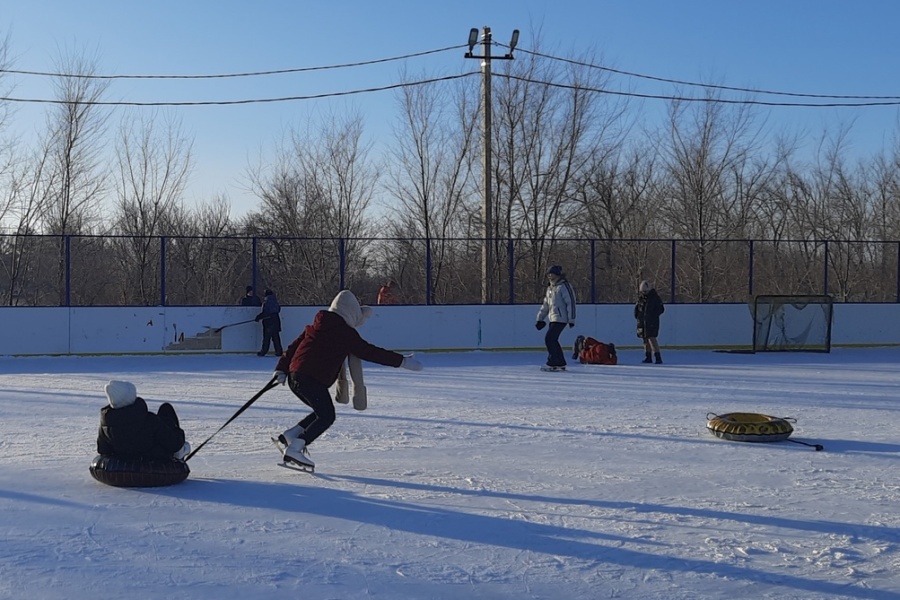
749, 427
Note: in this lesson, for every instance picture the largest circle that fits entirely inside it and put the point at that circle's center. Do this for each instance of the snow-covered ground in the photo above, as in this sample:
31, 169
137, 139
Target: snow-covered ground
480, 477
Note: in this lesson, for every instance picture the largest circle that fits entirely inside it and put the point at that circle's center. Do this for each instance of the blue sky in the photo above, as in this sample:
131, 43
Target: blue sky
809, 46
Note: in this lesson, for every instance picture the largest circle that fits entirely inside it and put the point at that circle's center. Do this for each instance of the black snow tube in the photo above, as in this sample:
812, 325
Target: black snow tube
138, 472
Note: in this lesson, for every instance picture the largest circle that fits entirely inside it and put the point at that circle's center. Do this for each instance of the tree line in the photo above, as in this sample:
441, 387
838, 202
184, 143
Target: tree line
712, 204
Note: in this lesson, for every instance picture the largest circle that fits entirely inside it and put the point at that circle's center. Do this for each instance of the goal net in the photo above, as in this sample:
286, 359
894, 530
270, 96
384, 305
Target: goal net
792, 323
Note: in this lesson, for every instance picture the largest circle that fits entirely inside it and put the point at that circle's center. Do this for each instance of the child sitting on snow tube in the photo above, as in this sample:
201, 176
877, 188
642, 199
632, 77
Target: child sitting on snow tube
128, 429
138, 448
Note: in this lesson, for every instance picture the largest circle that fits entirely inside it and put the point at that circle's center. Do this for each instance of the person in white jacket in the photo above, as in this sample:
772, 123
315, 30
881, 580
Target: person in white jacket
559, 309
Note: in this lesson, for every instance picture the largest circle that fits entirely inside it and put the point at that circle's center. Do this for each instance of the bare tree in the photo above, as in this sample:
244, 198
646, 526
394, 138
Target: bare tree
317, 192
430, 185
707, 154
153, 169
550, 123
76, 179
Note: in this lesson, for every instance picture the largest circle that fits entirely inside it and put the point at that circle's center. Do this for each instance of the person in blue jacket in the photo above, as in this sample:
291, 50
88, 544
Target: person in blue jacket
271, 324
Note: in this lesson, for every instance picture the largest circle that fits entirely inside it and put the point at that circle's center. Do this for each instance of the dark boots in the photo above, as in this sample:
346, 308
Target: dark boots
648, 358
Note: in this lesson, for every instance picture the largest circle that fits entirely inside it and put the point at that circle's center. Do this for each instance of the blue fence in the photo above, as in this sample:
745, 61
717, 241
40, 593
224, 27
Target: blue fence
77, 270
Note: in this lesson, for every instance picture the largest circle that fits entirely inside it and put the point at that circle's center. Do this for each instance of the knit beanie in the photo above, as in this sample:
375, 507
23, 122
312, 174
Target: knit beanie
120, 393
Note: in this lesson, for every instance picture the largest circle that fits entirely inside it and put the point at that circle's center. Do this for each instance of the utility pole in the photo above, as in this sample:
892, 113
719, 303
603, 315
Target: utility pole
487, 206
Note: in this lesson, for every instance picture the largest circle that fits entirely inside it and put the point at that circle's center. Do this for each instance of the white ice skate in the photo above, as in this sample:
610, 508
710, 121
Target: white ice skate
297, 455
290, 435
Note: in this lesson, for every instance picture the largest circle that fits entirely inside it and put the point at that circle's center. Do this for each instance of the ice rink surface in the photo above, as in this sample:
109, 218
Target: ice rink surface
479, 477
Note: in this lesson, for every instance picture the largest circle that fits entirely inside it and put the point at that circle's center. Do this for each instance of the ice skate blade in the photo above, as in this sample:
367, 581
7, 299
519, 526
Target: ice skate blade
295, 466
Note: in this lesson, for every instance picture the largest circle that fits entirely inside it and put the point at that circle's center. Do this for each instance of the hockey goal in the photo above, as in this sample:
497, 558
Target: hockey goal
792, 323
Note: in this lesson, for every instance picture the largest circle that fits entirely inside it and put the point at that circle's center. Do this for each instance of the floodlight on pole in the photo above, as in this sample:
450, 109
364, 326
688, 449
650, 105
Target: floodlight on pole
473, 39
513, 42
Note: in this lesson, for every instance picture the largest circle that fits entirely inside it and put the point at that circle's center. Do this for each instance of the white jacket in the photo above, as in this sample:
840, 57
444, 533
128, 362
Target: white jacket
559, 303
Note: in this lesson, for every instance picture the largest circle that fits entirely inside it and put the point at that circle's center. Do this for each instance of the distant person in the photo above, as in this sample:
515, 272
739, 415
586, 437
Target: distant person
271, 324
647, 309
128, 429
559, 309
388, 294
250, 298
314, 361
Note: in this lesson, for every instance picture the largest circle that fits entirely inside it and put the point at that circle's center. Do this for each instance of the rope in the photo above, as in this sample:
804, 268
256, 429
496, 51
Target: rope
272, 383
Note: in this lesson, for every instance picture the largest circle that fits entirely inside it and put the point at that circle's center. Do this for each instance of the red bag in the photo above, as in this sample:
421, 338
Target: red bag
595, 352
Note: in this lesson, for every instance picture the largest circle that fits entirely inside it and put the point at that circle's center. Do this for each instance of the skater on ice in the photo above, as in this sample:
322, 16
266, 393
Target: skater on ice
647, 309
559, 308
128, 429
315, 360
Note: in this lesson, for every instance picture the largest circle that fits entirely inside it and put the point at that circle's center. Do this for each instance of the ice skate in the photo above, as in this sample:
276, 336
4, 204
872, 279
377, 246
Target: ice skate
290, 435
553, 369
297, 455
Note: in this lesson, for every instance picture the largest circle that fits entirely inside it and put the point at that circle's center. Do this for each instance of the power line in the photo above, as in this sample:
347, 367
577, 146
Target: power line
895, 102
248, 101
712, 86
232, 75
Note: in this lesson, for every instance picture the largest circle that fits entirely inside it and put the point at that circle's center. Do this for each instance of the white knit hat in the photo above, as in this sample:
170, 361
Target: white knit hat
346, 305
645, 287
120, 393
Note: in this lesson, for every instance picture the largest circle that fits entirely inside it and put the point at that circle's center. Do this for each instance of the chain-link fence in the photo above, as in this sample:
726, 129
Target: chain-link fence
46, 270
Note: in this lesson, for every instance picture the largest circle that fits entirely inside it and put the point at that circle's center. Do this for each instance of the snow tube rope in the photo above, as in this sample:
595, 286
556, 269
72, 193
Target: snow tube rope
138, 471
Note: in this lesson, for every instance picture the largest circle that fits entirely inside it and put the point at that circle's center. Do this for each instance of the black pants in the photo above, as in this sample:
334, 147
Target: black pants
555, 356
316, 396
271, 335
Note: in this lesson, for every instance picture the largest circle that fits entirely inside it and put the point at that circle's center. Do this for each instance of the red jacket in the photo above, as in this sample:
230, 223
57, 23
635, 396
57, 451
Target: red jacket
322, 348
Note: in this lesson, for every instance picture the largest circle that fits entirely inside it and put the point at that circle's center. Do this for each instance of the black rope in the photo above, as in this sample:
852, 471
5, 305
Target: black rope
272, 383
818, 447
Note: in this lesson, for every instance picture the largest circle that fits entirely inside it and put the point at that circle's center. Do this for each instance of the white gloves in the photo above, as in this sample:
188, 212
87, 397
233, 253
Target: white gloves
281, 376
411, 363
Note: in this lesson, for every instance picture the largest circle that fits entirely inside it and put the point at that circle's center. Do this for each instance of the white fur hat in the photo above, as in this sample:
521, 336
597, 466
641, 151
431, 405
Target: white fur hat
120, 393
346, 305
645, 287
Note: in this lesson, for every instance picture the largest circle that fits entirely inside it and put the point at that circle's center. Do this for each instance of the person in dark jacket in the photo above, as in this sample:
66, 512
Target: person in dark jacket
312, 363
129, 429
271, 324
647, 309
250, 298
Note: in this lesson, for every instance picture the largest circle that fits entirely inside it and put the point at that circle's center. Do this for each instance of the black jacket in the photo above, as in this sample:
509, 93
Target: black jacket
269, 316
133, 431
646, 311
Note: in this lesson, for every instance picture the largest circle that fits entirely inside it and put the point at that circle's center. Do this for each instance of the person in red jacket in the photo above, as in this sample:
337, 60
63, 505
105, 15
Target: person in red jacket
387, 294
312, 363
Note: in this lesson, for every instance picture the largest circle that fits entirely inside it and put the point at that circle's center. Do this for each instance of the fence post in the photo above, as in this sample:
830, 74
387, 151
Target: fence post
342, 253
825, 269
68, 252
510, 258
672, 283
254, 274
428, 290
750, 270
593, 271
162, 270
